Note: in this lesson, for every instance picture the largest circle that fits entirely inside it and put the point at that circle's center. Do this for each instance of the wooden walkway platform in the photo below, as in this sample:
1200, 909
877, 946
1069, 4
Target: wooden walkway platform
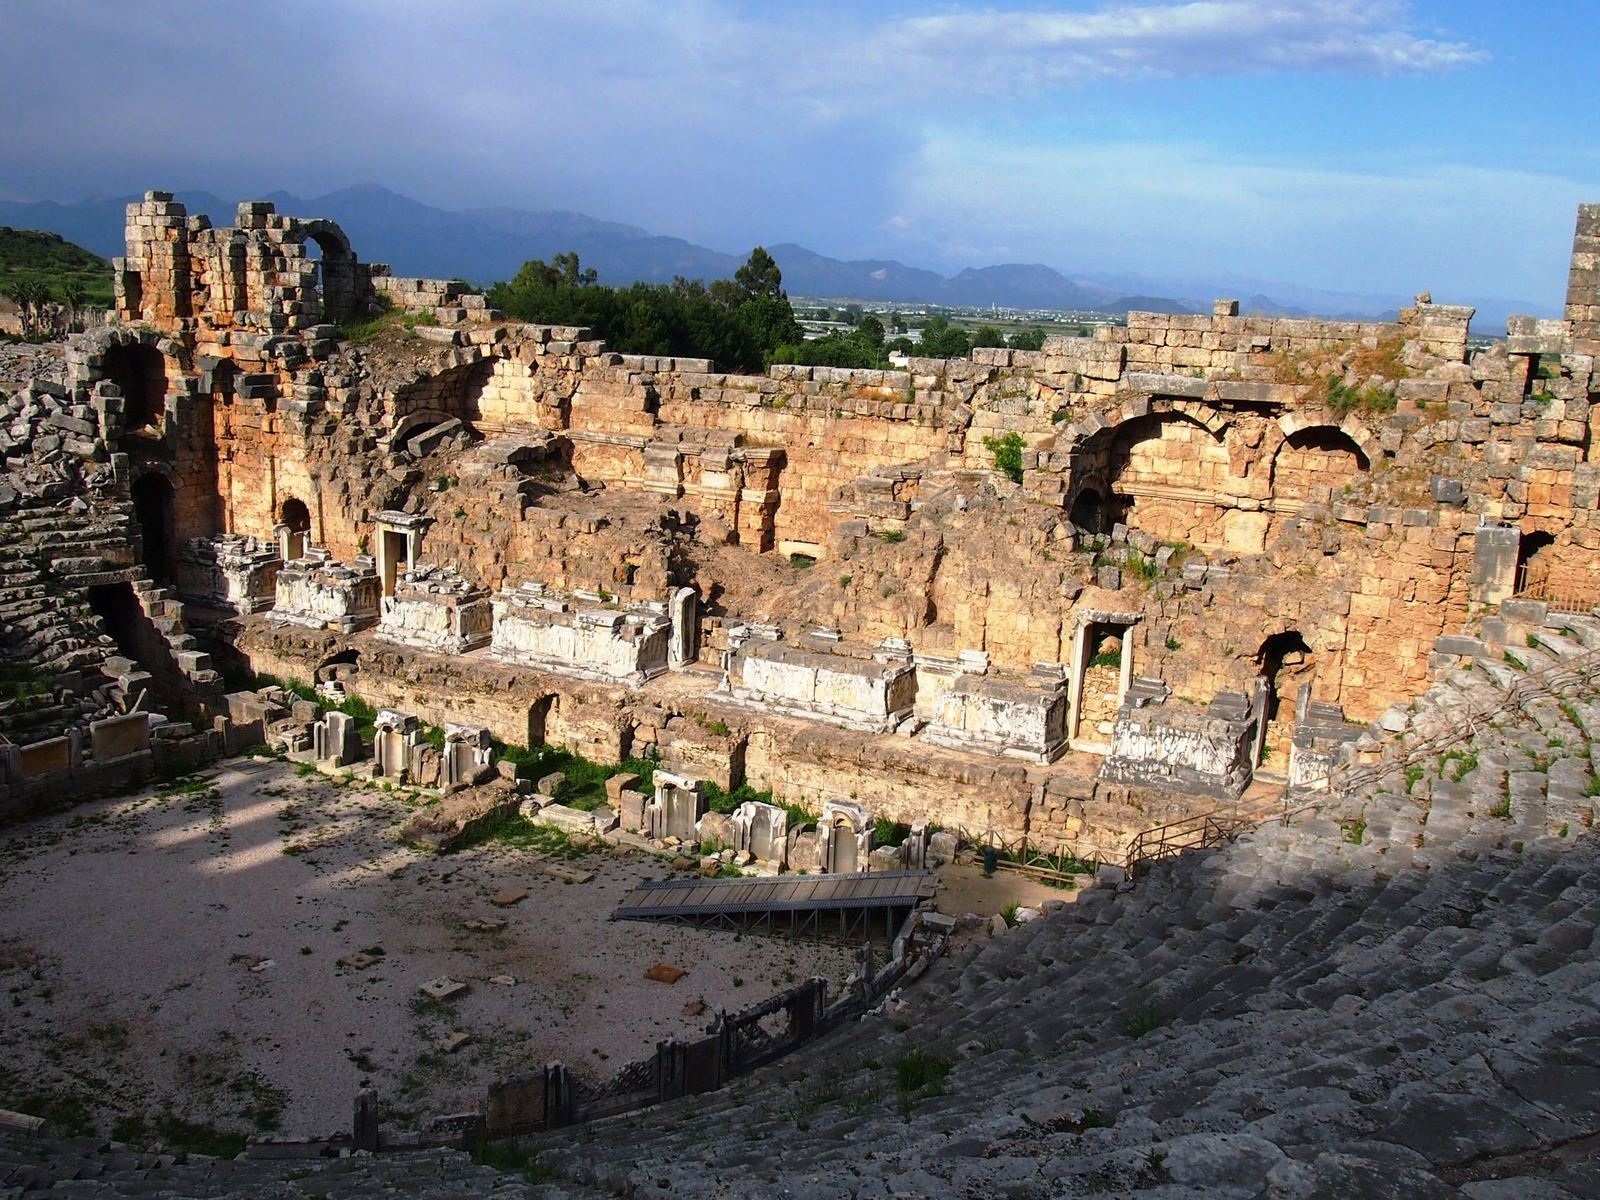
835, 907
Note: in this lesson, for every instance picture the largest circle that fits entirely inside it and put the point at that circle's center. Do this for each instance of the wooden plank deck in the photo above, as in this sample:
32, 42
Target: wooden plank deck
671, 898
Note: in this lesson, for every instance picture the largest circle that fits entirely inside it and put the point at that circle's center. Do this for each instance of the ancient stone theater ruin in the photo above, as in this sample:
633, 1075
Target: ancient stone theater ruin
1287, 627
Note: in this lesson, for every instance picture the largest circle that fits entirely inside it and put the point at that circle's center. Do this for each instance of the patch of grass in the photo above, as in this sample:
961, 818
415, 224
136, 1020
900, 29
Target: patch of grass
719, 800
1145, 1018
918, 1075
1341, 400
889, 833
189, 785
195, 1138
1141, 568
513, 829
1465, 763
827, 1090
513, 1158
67, 1113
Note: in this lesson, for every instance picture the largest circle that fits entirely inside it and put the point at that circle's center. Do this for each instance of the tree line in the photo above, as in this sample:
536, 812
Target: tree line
743, 324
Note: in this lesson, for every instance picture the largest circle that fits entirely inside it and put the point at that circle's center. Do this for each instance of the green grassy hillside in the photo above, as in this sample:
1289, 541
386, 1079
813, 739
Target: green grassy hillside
31, 256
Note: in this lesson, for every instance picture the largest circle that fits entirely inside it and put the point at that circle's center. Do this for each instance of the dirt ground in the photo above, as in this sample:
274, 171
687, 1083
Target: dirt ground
964, 889
175, 956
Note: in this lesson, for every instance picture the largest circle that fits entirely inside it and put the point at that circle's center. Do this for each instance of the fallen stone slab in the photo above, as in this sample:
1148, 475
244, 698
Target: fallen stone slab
572, 820
566, 873
442, 988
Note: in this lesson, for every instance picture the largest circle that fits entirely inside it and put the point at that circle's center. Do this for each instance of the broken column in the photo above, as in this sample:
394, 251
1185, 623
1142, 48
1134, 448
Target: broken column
334, 739
395, 736
763, 831
676, 808
844, 837
468, 755
683, 645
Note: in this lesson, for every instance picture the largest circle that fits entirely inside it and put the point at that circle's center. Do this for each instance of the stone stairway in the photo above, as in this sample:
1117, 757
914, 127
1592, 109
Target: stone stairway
165, 612
52, 645
32, 1166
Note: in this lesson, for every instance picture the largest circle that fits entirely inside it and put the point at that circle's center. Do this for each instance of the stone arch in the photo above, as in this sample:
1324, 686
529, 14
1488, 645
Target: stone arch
336, 268
1364, 439
456, 392
1315, 456
155, 513
1164, 473
294, 528
1088, 511
1286, 663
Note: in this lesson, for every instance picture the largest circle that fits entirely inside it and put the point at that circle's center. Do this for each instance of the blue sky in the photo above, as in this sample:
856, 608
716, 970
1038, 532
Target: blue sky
1358, 145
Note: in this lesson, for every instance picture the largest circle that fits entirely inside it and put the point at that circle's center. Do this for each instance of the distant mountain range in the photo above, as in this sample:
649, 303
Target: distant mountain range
486, 244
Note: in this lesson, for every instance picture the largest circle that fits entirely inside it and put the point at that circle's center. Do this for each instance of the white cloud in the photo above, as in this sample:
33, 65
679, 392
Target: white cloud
1003, 51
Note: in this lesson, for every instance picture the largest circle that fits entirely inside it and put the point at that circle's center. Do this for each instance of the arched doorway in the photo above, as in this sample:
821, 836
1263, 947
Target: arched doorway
1089, 512
153, 510
539, 720
119, 611
1535, 555
335, 265
1286, 664
1165, 473
141, 376
294, 529
338, 669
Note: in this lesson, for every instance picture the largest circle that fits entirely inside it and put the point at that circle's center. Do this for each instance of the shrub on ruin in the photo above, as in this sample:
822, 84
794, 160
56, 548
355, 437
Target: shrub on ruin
1007, 452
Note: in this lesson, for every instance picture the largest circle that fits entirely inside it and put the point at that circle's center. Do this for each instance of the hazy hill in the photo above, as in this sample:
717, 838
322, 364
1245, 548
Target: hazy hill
486, 244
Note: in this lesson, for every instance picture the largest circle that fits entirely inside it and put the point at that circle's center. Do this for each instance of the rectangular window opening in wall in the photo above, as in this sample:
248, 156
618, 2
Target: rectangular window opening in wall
1102, 668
